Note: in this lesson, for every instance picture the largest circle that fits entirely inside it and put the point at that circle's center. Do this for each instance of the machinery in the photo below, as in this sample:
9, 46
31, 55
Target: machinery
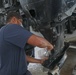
48, 17
74, 70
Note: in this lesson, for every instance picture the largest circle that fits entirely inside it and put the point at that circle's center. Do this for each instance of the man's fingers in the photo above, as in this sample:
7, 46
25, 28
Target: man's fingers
50, 47
46, 58
42, 60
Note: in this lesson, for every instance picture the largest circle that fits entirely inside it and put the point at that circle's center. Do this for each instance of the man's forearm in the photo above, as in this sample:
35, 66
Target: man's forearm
40, 42
32, 60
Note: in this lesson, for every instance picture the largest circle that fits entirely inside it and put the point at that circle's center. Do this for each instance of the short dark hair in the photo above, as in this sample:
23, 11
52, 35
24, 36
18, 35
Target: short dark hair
12, 14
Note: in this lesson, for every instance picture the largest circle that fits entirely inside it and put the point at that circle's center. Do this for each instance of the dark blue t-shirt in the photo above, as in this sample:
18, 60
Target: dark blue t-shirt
13, 38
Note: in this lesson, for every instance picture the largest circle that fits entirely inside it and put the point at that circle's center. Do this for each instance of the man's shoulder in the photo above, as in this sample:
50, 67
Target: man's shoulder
16, 29
10, 27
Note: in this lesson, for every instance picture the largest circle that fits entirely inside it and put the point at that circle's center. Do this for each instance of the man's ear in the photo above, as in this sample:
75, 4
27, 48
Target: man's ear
14, 20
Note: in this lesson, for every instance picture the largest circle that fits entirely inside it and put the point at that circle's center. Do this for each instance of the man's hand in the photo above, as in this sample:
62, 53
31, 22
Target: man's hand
42, 60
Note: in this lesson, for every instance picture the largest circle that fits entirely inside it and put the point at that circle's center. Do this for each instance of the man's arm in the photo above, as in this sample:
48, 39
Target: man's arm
33, 60
40, 42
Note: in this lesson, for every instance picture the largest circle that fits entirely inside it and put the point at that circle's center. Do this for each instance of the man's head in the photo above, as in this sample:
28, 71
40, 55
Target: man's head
14, 18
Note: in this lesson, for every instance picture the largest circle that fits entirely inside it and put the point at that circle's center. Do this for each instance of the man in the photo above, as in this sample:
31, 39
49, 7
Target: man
13, 38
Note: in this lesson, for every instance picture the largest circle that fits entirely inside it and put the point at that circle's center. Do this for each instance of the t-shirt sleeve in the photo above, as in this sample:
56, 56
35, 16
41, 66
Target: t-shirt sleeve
16, 35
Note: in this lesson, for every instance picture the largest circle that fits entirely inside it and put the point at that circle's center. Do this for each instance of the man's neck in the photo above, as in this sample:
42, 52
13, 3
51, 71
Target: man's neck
13, 23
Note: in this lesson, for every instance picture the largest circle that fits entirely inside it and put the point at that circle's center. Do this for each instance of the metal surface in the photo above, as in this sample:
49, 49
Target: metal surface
74, 70
74, 47
56, 70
